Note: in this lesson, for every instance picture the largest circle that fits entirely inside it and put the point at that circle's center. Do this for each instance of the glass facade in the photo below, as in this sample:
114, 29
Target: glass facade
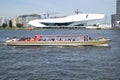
62, 24
113, 20
118, 10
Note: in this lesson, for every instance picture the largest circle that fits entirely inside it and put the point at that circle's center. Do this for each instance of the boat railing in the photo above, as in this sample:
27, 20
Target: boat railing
52, 38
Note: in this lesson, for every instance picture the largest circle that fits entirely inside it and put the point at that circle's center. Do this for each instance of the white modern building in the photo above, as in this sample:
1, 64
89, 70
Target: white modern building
67, 21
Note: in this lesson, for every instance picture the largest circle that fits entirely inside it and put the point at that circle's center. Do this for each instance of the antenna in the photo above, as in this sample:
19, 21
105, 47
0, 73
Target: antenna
77, 11
105, 19
47, 15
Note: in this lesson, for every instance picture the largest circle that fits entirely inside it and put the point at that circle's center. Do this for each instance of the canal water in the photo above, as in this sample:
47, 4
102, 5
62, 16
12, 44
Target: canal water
60, 63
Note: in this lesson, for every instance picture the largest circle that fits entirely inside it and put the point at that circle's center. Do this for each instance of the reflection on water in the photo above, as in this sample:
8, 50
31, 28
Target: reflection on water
60, 63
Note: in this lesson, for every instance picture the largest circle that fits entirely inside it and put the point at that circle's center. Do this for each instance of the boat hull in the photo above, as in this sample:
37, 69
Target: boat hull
59, 43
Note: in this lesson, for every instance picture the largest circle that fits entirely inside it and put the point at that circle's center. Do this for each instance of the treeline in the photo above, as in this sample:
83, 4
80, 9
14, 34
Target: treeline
10, 25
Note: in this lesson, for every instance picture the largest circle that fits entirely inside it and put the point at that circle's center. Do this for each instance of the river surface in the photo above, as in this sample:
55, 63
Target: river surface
60, 63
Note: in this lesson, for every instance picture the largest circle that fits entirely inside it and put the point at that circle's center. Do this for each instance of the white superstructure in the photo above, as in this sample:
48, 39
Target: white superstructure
74, 20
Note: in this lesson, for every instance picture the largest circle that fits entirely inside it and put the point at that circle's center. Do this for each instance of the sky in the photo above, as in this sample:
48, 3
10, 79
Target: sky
13, 8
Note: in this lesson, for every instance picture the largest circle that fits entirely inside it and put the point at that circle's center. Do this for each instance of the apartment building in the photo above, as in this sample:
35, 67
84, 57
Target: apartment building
24, 19
4, 20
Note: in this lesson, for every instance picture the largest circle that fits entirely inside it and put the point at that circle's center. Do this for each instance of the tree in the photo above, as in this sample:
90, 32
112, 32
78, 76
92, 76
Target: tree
19, 25
10, 24
4, 25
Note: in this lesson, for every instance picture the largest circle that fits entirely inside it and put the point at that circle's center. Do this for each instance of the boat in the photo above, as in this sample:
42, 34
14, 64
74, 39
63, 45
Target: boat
58, 40
66, 21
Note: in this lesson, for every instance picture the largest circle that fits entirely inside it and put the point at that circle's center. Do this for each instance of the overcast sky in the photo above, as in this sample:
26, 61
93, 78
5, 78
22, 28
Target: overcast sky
12, 8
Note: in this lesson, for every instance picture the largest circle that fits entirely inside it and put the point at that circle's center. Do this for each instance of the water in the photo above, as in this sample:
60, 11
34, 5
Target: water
60, 63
